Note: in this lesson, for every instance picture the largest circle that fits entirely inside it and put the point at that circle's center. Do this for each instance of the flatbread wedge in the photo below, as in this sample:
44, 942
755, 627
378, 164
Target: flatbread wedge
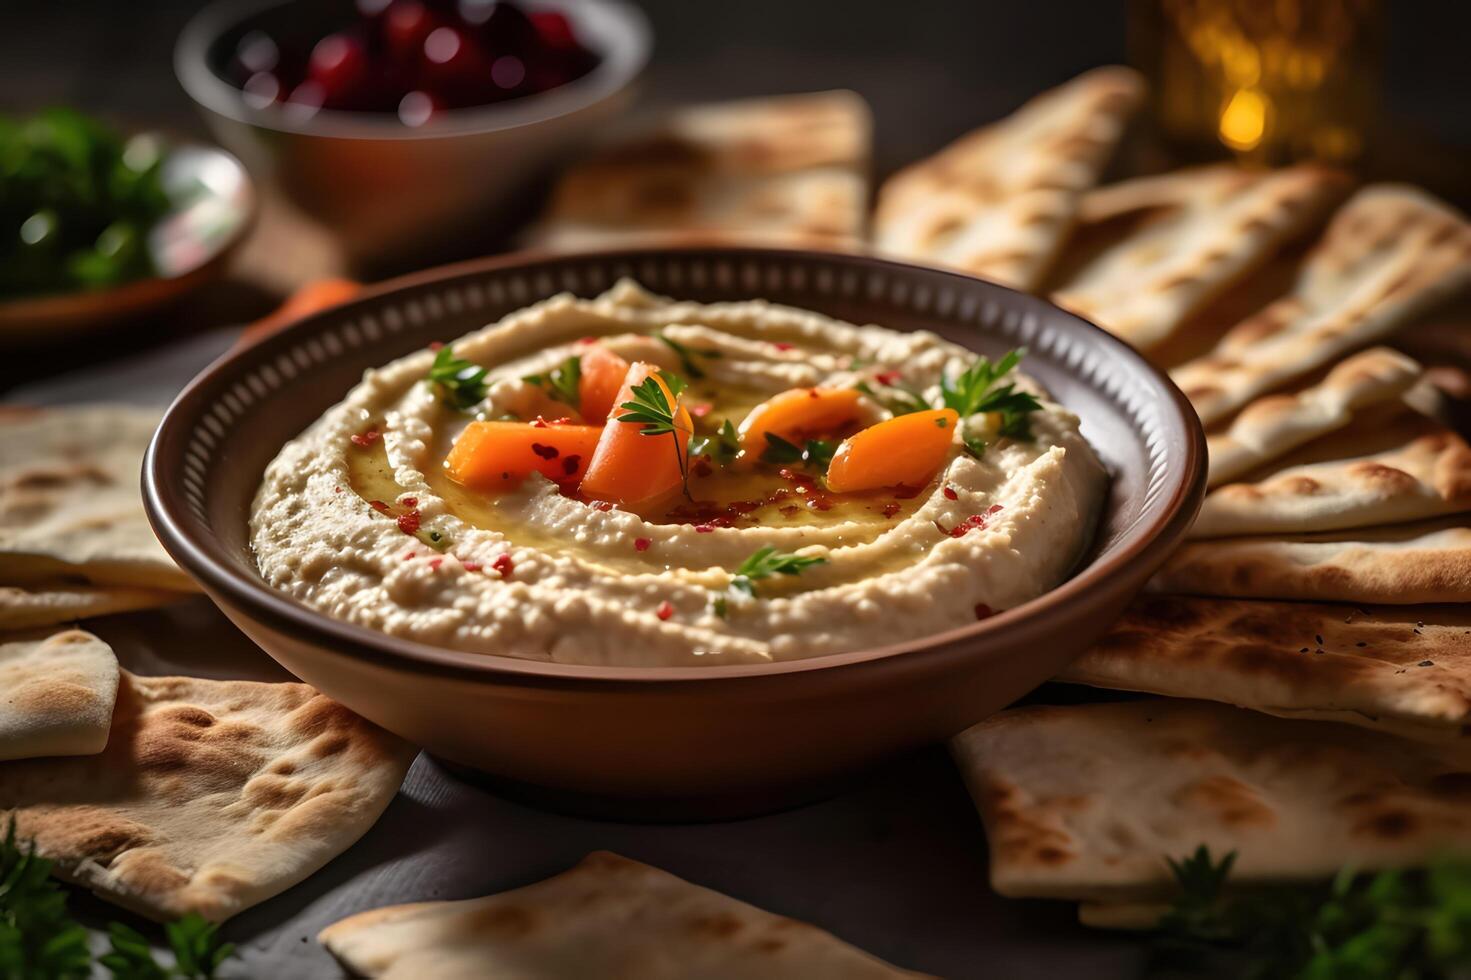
1401, 669
1391, 253
70, 501
48, 603
1187, 236
998, 202
211, 796
606, 917
1087, 801
56, 695
1273, 425
790, 169
1424, 561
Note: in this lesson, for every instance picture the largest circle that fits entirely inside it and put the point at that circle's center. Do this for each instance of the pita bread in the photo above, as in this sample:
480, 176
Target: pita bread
1403, 669
211, 796
1275, 424
1087, 801
608, 917
56, 695
49, 603
789, 169
1425, 561
998, 202
70, 501
1347, 481
1389, 254
1193, 233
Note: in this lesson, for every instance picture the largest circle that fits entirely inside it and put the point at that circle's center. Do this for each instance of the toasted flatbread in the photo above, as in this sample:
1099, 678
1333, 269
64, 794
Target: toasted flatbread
1402, 669
70, 502
607, 917
999, 201
1273, 425
1087, 801
1423, 561
1189, 235
791, 169
211, 796
48, 603
1377, 471
56, 695
1389, 254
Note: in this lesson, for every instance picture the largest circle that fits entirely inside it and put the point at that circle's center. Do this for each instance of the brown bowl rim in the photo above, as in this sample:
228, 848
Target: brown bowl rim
1034, 620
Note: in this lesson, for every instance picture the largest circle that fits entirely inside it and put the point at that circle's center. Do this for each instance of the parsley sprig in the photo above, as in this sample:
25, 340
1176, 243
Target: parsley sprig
979, 389
658, 414
899, 399
817, 453
722, 447
767, 562
1412, 924
460, 382
687, 355
39, 938
562, 382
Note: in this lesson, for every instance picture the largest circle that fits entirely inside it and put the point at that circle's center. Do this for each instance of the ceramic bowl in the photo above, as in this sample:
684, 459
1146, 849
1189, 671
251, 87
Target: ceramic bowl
678, 741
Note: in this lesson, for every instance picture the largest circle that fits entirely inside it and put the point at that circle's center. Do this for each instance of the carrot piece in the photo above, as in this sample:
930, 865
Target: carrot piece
631, 468
903, 451
499, 455
597, 390
797, 414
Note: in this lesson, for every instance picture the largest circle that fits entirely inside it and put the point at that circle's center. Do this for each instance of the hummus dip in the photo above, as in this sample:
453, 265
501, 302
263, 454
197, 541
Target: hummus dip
632, 480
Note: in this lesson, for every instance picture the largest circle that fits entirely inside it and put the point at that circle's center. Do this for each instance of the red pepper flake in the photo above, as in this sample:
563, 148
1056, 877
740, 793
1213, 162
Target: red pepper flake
434, 564
665, 610
975, 522
586, 341
366, 439
409, 523
570, 464
812, 393
641, 544
471, 566
436, 344
702, 467
561, 420
538, 423
704, 528
984, 611
890, 510
504, 565
336, 489
701, 409
602, 505
408, 555
410, 502
950, 493
379, 506
545, 452
886, 377
781, 345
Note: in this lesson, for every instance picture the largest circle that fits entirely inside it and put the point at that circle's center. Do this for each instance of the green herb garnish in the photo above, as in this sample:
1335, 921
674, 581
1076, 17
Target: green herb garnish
817, 453
39, 939
461, 383
723, 446
687, 355
766, 562
562, 382
898, 399
655, 412
1412, 924
977, 389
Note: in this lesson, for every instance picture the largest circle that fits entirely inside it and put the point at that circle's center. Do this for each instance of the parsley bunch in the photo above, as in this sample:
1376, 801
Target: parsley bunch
39, 940
979, 389
723, 446
1412, 924
460, 382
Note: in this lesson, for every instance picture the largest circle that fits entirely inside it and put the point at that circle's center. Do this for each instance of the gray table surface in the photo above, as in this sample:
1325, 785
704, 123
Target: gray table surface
896, 865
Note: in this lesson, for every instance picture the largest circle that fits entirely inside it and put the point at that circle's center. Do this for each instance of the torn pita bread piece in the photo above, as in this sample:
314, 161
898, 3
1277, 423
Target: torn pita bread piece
1088, 801
606, 917
70, 500
1423, 561
56, 695
1401, 669
1385, 469
1273, 425
786, 169
1186, 237
1391, 253
50, 603
998, 202
211, 796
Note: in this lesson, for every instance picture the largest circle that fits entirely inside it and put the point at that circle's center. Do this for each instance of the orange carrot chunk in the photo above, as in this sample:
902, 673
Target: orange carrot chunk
798, 414
631, 468
493, 456
602, 375
902, 451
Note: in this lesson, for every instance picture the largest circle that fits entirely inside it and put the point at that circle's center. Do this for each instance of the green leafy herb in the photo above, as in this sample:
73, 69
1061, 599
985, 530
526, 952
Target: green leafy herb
197, 951
722, 447
978, 389
976, 447
898, 399
658, 416
687, 355
817, 453
562, 382
766, 562
461, 383
1412, 924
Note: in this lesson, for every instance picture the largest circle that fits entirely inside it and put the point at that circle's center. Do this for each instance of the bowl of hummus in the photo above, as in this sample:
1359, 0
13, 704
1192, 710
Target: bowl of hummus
683, 530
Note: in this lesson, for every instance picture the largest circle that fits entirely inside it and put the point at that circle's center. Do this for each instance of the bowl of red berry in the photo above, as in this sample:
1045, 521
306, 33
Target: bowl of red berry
394, 122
